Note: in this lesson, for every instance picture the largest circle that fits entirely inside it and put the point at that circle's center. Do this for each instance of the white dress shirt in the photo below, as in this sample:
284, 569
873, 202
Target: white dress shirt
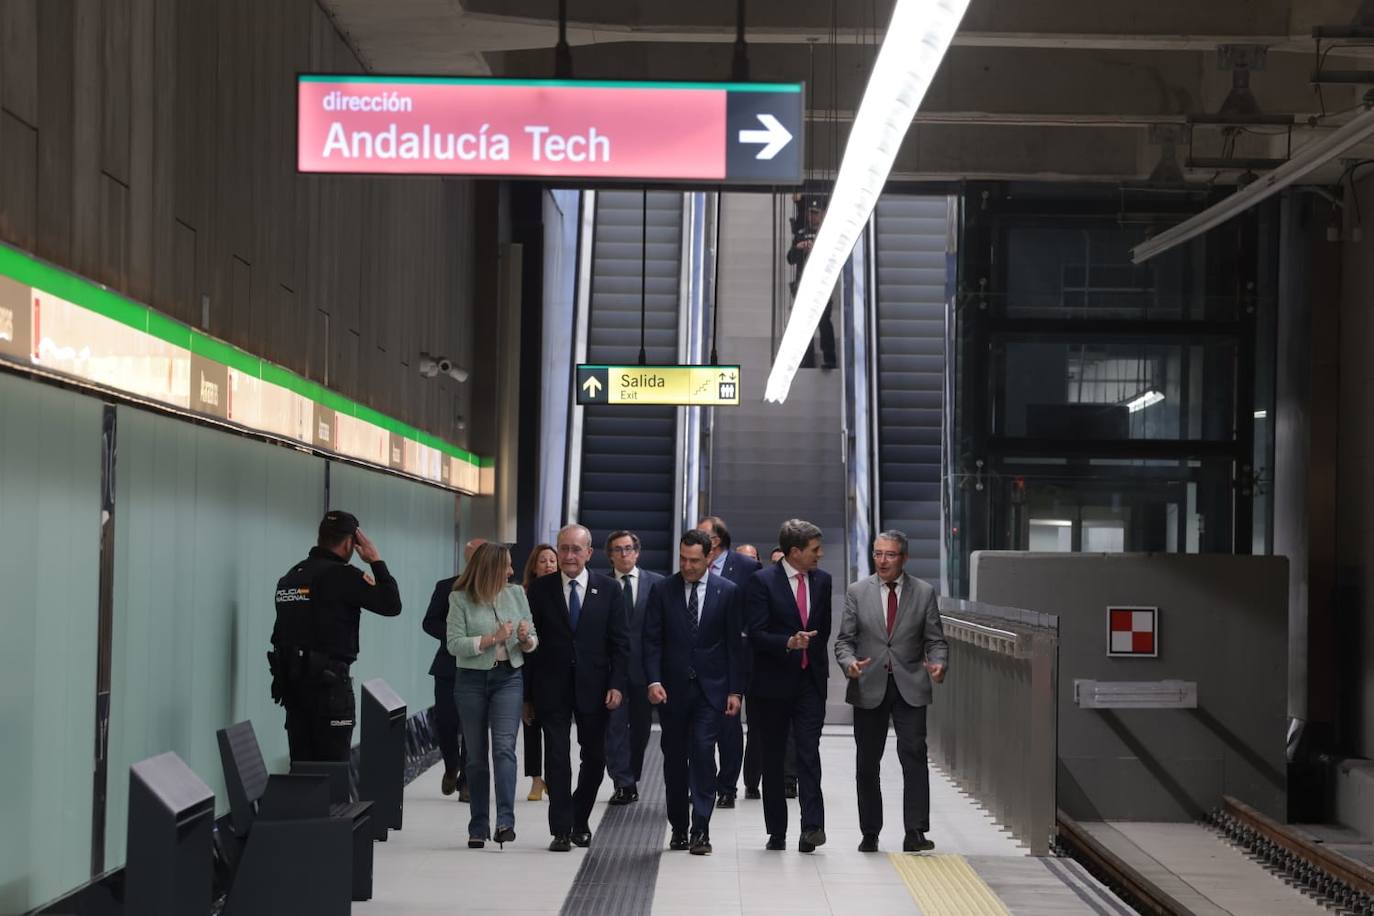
718, 564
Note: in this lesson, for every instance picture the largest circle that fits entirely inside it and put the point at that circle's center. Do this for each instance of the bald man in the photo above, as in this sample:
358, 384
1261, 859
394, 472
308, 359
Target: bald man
447, 726
576, 676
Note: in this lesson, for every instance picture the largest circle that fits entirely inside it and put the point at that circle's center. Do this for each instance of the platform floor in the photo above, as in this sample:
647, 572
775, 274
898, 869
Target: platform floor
426, 867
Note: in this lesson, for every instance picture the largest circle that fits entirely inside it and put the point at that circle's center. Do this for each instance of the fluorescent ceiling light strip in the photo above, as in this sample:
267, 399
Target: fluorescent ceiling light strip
1147, 399
1306, 160
917, 38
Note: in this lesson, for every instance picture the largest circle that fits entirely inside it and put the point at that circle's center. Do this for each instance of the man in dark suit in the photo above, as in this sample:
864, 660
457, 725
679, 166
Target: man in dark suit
692, 663
891, 645
627, 733
728, 564
582, 658
725, 561
447, 726
787, 608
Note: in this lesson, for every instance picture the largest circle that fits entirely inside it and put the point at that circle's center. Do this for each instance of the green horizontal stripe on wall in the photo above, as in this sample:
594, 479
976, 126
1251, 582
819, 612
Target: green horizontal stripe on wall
30, 271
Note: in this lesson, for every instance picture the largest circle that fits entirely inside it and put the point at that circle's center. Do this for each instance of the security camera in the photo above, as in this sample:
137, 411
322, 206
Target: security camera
445, 365
458, 374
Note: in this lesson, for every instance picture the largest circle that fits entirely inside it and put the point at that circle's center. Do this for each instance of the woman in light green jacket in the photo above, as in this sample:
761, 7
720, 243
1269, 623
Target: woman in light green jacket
489, 632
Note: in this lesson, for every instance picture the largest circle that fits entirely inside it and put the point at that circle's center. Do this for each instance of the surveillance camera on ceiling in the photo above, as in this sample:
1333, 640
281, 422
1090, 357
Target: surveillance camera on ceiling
434, 366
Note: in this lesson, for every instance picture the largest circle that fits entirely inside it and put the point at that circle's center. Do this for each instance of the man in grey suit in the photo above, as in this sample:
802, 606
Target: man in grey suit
627, 733
891, 645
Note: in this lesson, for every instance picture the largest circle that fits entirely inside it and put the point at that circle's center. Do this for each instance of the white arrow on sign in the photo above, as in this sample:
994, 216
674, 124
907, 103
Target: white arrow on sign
774, 135
591, 386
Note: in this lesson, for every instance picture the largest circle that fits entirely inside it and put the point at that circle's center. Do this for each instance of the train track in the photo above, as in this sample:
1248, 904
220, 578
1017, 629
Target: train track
1333, 880
1338, 882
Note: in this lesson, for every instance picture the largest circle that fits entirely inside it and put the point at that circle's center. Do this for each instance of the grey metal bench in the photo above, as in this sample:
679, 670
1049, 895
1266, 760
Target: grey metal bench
302, 846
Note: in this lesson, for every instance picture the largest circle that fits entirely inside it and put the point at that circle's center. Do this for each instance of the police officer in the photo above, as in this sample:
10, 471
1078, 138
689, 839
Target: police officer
315, 640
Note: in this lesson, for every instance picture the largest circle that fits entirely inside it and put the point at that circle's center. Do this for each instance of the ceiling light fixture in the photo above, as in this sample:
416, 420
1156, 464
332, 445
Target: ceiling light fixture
917, 38
1147, 399
1304, 161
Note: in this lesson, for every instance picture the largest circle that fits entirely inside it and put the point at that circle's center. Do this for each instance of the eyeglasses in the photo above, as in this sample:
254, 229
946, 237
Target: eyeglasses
571, 549
886, 555
626, 550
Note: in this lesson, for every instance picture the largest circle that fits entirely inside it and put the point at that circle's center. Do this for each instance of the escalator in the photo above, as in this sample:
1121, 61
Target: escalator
912, 241
628, 454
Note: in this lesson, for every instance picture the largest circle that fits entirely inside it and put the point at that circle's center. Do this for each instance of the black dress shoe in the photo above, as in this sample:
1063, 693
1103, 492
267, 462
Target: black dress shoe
750, 792
777, 842
915, 841
790, 788
449, 784
581, 838
869, 843
725, 801
701, 844
810, 839
624, 796
504, 835
679, 841
561, 844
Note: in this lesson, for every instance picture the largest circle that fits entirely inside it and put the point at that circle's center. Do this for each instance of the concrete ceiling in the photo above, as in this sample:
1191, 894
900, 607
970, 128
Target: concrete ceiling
1064, 89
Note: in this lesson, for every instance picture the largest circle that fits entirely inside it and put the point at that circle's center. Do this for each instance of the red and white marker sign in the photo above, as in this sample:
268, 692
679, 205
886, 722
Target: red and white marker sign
689, 132
1133, 632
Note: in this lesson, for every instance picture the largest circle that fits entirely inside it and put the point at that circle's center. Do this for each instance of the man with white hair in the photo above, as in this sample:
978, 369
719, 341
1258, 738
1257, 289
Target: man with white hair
584, 651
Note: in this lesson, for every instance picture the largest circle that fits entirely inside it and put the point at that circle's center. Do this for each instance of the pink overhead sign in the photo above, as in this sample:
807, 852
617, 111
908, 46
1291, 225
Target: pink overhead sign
540, 128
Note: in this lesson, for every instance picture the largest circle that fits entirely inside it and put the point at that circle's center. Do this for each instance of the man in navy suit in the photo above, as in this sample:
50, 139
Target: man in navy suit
736, 567
692, 663
575, 676
628, 732
787, 612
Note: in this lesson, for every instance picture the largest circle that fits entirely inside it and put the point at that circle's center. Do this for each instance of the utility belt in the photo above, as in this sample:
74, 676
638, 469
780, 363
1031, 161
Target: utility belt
293, 666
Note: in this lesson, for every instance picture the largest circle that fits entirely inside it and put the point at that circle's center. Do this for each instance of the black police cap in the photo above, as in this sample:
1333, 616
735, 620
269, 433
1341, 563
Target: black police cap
338, 525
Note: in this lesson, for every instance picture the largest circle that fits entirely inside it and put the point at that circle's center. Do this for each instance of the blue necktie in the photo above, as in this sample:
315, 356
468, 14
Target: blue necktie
574, 604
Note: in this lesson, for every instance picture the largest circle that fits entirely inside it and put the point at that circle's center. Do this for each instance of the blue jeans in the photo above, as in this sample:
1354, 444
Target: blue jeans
490, 699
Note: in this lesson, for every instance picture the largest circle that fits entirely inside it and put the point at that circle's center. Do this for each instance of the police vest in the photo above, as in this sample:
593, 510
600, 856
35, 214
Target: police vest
297, 625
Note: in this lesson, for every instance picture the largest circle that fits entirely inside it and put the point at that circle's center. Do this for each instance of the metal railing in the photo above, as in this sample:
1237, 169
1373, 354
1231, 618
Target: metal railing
993, 725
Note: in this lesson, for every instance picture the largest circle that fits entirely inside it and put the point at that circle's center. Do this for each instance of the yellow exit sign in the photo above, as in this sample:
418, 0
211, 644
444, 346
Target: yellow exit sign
691, 386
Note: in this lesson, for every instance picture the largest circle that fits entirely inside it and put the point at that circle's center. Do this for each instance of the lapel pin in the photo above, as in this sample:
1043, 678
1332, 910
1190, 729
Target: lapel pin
593, 591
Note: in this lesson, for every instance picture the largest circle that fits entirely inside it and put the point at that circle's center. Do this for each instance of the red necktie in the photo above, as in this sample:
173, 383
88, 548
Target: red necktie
802, 610
891, 606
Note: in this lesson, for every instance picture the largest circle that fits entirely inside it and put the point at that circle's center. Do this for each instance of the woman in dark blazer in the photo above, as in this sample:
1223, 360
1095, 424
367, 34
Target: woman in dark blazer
543, 560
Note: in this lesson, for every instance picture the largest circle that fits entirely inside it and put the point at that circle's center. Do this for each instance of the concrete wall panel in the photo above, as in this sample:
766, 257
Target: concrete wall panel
1223, 623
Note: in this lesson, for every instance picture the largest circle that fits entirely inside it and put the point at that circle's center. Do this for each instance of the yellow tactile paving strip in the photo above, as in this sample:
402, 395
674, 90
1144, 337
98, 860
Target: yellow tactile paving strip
947, 886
